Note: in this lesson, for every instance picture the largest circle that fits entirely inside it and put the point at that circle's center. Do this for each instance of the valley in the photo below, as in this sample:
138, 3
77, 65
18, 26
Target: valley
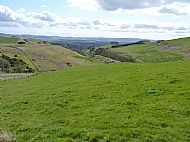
99, 96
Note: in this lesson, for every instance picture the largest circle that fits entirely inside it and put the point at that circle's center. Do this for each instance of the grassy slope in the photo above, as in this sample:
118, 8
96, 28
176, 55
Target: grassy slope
171, 50
182, 41
11, 50
148, 53
180, 46
51, 57
8, 40
115, 102
46, 56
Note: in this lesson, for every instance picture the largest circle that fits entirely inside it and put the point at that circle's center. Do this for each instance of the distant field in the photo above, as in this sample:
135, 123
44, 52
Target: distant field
45, 57
169, 50
8, 40
178, 46
148, 53
115, 102
180, 41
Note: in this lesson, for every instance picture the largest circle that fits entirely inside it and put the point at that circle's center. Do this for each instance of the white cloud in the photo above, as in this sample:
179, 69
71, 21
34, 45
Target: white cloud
176, 9
166, 10
172, 9
148, 7
45, 16
112, 5
8, 24
29, 19
7, 14
50, 23
21, 10
90, 5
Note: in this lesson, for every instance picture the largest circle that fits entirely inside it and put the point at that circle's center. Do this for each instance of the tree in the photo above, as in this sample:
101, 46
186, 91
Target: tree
4, 65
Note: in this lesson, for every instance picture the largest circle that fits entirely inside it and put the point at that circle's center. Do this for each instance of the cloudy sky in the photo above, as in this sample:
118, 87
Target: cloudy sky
151, 19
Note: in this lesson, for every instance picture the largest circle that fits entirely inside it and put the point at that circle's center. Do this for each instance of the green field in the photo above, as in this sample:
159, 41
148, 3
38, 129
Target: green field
180, 41
8, 40
169, 50
149, 53
116, 102
178, 46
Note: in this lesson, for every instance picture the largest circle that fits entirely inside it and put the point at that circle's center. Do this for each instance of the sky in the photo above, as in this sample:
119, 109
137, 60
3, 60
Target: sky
147, 19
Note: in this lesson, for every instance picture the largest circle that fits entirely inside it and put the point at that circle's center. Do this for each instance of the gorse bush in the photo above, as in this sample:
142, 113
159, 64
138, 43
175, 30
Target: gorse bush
14, 65
114, 55
4, 65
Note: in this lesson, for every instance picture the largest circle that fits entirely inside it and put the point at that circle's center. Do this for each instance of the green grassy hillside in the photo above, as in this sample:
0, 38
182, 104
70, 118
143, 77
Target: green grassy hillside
42, 56
180, 41
52, 57
115, 102
178, 46
148, 53
12, 50
171, 50
8, 40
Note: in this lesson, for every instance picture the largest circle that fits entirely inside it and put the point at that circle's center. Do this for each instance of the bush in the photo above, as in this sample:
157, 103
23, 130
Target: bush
15, 65
4, 65
115, 55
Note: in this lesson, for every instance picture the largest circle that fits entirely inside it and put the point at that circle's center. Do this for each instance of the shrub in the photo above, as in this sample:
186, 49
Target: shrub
115, 55
15, 65
4, 65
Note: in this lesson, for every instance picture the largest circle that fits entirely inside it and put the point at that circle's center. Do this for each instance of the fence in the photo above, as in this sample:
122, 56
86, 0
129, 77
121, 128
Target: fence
8, 76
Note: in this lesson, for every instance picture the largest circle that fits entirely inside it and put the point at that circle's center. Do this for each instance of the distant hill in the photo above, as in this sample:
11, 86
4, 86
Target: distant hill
44, 56
76, 43
40, 55
5, 35
155, 52
179, 46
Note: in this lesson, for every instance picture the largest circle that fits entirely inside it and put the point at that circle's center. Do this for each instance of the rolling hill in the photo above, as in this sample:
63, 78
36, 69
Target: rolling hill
44, 56
156, 52
40, 55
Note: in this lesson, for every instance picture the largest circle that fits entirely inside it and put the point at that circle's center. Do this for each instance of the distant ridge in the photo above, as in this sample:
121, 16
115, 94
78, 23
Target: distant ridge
58, 38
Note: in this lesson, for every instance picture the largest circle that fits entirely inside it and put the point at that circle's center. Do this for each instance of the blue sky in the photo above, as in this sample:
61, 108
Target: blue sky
152, 19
